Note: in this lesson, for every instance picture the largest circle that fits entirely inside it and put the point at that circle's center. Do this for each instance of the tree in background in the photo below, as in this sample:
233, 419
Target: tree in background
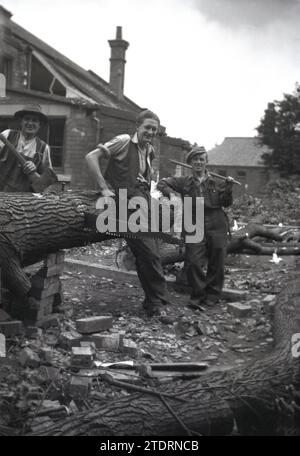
280, 130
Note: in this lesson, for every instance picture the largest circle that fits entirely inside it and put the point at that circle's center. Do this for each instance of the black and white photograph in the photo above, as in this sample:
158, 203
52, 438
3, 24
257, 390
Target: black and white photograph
149, 221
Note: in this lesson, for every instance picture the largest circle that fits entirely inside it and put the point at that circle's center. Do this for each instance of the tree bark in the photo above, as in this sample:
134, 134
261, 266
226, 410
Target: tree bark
32, 226
214, 401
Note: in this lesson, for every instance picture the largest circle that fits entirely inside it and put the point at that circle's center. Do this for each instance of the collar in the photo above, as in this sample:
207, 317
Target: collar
206, 176
134, 138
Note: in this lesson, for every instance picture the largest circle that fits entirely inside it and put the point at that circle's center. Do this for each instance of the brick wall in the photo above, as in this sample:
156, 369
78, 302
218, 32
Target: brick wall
175, 149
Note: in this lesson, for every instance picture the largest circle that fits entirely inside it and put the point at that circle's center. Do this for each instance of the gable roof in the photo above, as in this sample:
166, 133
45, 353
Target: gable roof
235, 151
91, 86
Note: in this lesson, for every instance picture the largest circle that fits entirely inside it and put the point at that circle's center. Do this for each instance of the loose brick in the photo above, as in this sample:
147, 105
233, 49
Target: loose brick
233, 295
93, 324
28, 358
238, 309
11, 328
82, 357
69, 339
2, 346
86, 343
130, 348
107, 342
80, 387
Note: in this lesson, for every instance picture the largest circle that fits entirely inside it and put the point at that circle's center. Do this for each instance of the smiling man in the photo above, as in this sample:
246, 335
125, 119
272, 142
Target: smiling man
206, 289
13, 177
130, 168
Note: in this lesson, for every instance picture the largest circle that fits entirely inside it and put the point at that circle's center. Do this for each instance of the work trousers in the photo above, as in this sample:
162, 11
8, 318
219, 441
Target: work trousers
149, 270
212, 248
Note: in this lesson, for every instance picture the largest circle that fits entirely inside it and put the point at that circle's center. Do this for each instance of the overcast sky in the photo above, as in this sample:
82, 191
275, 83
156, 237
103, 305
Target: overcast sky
207, 67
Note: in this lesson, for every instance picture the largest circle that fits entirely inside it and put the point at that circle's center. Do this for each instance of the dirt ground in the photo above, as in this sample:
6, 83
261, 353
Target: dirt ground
213, 335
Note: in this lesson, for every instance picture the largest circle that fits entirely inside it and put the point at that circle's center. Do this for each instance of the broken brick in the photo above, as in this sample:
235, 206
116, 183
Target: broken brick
80, 387
82, 357
28, 358
86, 343
68, 339
238, 309
11, 328
130, 348
94, 324
107, 342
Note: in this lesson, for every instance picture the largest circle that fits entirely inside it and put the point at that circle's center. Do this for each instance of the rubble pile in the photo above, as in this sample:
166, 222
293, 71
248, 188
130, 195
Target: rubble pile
279, 203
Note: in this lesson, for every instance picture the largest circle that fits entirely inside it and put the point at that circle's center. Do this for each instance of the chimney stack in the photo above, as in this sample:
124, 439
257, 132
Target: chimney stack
117, 63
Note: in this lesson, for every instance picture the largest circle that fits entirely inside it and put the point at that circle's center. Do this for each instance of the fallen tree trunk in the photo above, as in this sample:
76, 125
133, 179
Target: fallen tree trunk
245, 241
212, 403
32, 226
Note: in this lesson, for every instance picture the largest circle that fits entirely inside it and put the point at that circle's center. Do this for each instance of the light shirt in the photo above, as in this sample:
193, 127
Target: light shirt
117, 148
27, 147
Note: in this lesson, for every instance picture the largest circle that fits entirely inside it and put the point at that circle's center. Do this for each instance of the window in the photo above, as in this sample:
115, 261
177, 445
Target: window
43, 80
7, 70
52, 133
241, 173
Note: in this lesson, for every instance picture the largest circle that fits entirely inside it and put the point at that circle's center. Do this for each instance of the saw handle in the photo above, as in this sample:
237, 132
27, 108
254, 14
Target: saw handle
32, 176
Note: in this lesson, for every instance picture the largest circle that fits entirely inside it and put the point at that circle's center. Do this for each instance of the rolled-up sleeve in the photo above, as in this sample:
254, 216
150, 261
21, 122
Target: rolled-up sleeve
116, 147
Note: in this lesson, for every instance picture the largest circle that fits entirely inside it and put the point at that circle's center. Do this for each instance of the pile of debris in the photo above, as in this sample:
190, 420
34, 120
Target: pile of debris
279, 203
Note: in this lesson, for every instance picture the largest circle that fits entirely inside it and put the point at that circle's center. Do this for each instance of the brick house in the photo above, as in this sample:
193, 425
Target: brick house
82, 108
241, 158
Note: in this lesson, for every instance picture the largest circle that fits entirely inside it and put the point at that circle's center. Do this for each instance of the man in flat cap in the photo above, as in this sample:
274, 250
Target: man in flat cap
14, 177
206, 289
